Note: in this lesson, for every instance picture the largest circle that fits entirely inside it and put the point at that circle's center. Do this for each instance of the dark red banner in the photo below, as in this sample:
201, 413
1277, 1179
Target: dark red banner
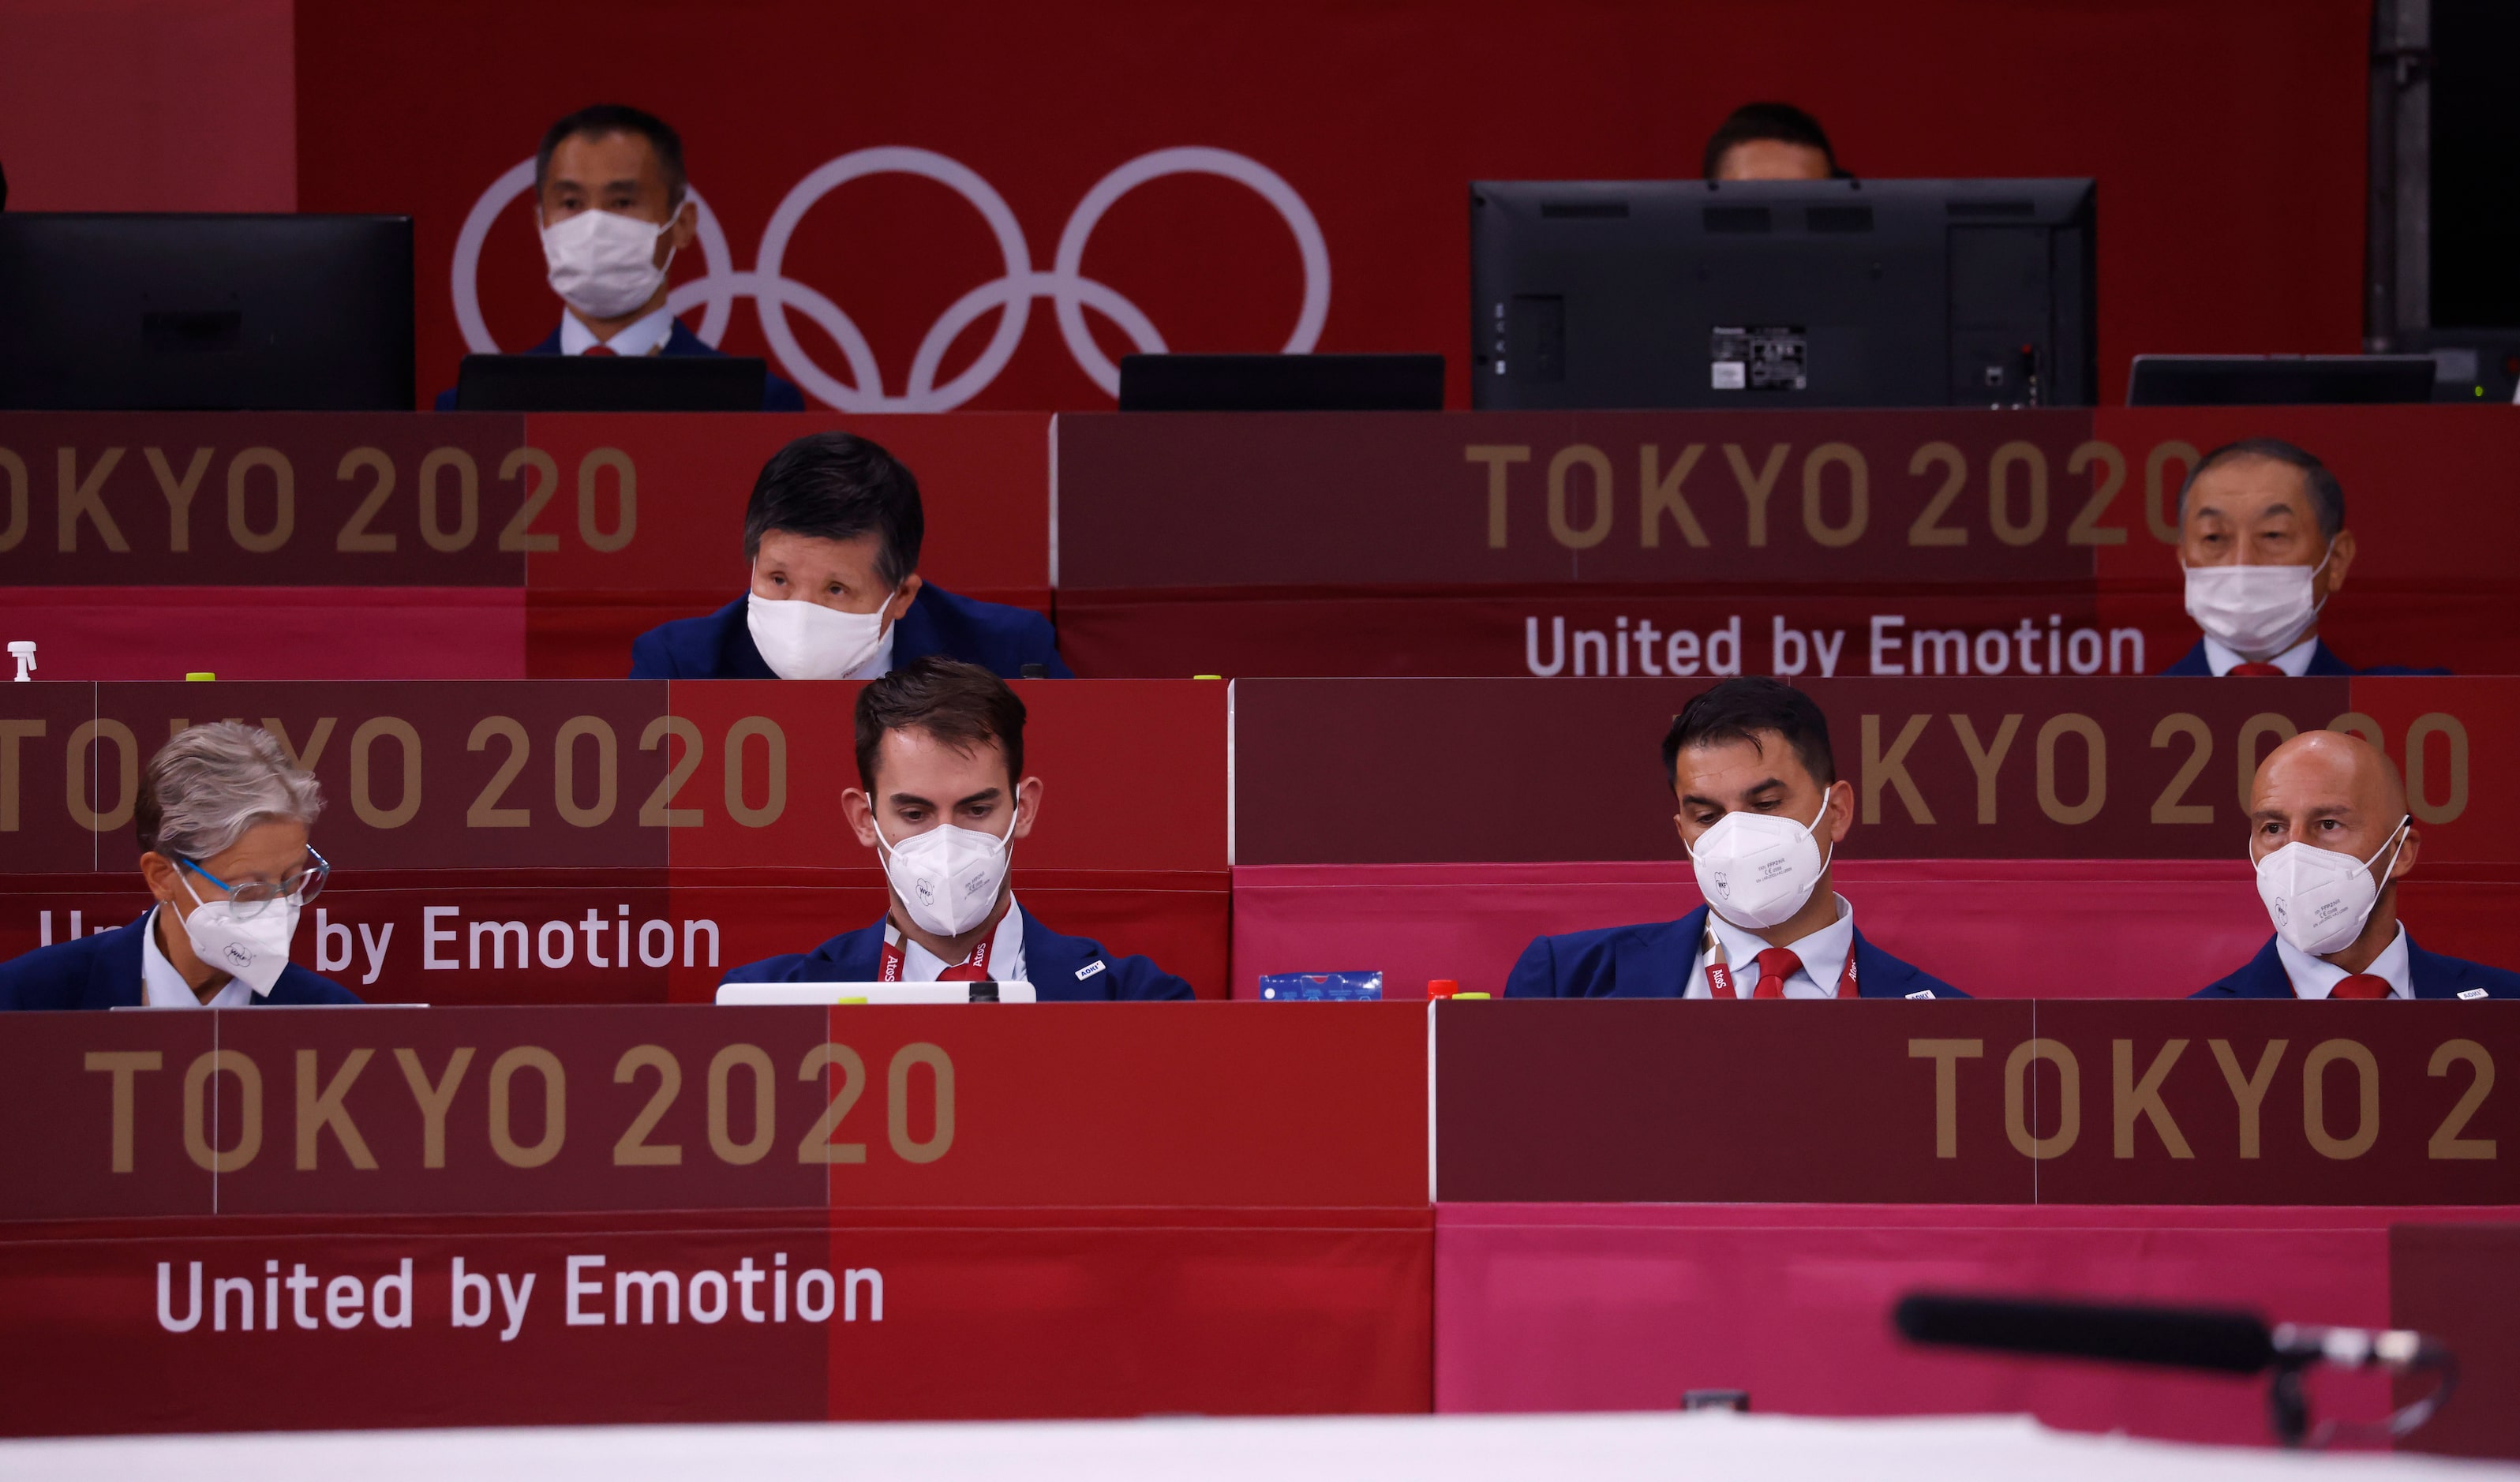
890, 1315
612, 842
1823, 543
1941, 768
280, 547
1146, 177
1975, 1103
525, 1111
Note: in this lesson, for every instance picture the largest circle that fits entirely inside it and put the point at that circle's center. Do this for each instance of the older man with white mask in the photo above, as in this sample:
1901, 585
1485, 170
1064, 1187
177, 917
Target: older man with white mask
222, 819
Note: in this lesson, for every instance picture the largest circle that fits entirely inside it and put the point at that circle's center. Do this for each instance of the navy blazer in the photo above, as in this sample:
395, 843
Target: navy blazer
1060, 968
996, 637
777, 395
1653, 962
2324, 664
102, 971
2431, 975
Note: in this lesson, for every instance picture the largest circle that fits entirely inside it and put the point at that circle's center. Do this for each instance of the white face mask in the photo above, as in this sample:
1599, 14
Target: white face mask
2255, 612
800, 638
948, 877
2319, 898
602, 265
253, 950
1756, 869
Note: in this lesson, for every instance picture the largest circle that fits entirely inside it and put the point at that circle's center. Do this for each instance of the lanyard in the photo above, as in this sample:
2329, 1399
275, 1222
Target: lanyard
890, 973
1719, 974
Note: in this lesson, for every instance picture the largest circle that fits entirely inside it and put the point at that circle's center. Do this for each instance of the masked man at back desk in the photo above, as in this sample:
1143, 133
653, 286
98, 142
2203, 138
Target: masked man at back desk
2263, 548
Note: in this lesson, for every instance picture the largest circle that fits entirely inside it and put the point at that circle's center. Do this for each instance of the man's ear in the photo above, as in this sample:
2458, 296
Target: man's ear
859, 810
2412, 845
1027, 805
2340, 558
684, 229
161, 874
1842, 810
896, 608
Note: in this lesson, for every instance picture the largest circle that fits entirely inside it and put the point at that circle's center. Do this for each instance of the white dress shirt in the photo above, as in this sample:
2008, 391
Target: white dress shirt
642, 337
163, 987
2294, 661
2312, 978
881, 664
1822, 953
1005, 952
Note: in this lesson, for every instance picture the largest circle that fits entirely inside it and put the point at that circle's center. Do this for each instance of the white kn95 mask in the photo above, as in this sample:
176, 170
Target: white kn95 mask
251, 949
948, 877
604, 264
2318, 898
1757, 868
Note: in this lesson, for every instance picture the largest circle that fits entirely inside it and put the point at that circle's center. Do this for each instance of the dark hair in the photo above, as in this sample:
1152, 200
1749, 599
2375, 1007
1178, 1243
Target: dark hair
2327, 495
1781, 122
838, 486
963, 705
618, 118
1743, 709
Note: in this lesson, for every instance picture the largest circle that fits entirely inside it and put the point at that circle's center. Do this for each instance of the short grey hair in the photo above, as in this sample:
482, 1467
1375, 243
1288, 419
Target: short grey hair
214, 782
2327, 495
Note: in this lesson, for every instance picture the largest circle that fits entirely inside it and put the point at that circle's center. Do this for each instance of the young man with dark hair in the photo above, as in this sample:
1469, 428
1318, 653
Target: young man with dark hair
942, 799
833, 537
1771, 141
2262, 546
1761, 814
611, 206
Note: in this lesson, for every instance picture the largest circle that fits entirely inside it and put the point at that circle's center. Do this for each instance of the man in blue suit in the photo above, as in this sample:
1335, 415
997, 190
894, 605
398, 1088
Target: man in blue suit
222, 816
2263, 546
942, 800
832, 535
2330, 836
612, 207
1761, 814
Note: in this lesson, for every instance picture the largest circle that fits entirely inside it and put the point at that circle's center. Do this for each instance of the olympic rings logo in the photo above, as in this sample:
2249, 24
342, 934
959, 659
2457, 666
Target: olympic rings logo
1065, 286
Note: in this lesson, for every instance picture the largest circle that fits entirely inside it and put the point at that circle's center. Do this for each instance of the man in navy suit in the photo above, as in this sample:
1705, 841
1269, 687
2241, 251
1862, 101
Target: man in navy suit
2263, 546
942, 801
832, 535
612, 208
2330, 836
1761, 813
222, 816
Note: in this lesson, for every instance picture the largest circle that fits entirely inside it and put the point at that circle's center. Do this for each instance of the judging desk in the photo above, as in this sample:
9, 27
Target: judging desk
2017, 837
615, 840
1820, 542
484, 1216
465, 546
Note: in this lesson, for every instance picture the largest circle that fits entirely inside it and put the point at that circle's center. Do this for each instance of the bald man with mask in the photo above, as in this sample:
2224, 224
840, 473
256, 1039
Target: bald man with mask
2330, 836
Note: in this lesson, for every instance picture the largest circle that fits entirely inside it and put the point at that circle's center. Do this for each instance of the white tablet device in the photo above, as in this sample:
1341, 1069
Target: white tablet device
875, 993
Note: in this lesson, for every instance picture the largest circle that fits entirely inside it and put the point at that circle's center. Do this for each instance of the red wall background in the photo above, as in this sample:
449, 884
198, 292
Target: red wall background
2227, 140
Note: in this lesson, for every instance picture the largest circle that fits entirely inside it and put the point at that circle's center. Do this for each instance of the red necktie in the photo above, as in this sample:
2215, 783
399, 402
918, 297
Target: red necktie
2245, 671
1776, 965
607, 352
2362, 985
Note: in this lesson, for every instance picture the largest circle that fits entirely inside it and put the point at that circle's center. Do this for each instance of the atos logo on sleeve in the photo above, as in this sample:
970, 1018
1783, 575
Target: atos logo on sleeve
1070, 290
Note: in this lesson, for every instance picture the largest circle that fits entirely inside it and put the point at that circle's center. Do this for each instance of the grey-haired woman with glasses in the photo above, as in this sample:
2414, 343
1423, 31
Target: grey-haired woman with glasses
222, 818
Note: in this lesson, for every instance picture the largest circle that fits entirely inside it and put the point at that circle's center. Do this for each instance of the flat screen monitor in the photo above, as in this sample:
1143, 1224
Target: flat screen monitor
1764, 294
757, 994
198, 312
2280, 381
611, 383
1281, 383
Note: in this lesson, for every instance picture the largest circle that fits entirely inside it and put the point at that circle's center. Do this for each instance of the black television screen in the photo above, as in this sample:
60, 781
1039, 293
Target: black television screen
149, 312
1760, 295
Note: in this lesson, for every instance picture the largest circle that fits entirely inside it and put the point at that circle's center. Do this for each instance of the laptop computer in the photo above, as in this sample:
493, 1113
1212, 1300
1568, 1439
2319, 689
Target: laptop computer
611, 383
824, 994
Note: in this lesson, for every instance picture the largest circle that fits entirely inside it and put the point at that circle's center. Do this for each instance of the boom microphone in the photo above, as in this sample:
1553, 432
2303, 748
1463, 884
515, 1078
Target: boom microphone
2225, 1342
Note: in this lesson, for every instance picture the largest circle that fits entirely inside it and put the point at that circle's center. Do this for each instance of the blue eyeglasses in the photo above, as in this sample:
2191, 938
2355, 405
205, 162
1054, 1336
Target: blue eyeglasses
253, 897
